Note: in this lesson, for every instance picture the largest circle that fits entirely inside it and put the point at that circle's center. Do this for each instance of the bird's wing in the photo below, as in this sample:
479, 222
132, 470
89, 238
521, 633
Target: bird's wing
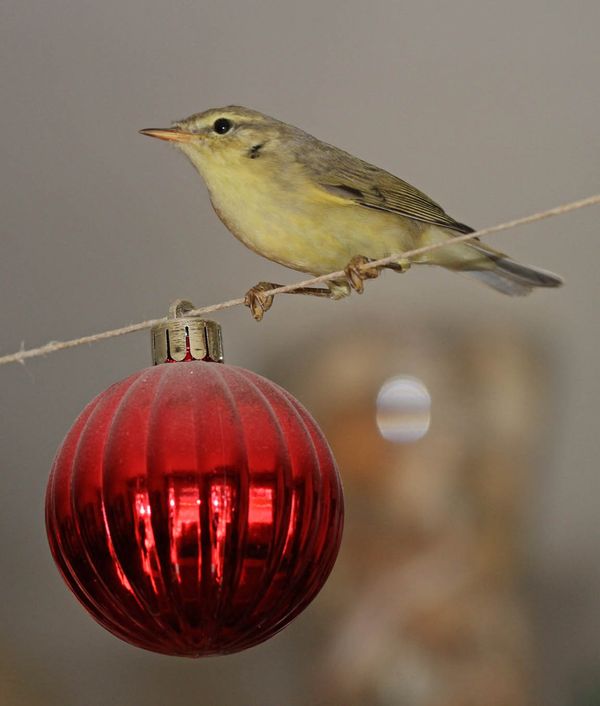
346, 176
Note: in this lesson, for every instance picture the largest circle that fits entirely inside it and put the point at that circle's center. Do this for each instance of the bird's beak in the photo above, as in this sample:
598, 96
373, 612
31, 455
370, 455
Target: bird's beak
171, 134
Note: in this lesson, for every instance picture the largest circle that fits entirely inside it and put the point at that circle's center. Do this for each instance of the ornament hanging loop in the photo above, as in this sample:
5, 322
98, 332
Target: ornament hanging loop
179, 308
182, 337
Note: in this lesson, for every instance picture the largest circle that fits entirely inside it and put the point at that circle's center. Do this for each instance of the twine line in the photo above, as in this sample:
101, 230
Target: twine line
52, 346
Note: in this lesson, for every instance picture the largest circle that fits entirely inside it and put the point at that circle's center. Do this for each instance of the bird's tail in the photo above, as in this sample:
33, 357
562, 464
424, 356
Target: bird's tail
510, 277
488, 265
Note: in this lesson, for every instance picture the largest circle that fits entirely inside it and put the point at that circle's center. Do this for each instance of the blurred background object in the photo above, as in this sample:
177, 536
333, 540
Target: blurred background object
492, 109
427, 593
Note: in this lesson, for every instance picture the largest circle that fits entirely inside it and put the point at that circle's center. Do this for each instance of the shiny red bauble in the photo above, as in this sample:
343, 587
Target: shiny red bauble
194, 508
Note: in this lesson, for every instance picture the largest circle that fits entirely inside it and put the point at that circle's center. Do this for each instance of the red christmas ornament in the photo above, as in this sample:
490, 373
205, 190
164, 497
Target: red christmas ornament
194, 508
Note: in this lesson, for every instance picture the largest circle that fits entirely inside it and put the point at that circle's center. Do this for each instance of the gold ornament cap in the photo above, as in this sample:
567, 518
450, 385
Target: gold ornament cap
182, 337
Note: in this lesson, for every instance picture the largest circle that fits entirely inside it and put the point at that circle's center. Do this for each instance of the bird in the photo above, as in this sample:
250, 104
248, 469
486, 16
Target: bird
315, 208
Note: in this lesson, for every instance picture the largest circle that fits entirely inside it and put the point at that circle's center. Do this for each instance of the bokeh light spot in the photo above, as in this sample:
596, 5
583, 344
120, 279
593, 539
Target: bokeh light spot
403, 409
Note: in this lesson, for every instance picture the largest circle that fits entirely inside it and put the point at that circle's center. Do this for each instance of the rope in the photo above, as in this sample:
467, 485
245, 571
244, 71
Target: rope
52, 346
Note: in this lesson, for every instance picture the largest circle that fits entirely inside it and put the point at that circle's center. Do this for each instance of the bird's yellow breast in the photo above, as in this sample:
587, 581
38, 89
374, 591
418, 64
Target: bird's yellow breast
282, 215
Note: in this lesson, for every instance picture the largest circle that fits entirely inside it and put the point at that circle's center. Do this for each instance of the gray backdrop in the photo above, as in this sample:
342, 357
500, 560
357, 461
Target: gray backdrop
491, 107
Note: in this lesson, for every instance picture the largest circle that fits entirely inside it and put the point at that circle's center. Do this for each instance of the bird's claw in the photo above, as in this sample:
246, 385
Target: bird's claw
356, 275
257, 301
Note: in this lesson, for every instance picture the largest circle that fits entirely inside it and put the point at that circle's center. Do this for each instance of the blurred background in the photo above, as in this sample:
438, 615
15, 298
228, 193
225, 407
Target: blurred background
464, 422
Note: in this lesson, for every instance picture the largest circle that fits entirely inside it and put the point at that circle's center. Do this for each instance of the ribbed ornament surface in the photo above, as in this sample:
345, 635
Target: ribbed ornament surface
194, 508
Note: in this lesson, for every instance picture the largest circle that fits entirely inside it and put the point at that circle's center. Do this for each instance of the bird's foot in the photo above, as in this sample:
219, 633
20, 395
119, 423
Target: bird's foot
257, 301
356, 275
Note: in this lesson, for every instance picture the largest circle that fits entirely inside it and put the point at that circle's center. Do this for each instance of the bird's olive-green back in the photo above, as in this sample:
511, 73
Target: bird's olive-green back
367, 185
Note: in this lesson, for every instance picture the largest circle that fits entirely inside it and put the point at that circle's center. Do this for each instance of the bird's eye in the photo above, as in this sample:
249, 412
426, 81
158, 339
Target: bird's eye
222, 125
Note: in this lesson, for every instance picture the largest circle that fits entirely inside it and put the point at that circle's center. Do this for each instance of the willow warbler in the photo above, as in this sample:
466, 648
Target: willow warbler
315, 208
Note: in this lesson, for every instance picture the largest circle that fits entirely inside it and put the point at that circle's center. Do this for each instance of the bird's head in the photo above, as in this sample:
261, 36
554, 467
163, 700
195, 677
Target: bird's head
223, 136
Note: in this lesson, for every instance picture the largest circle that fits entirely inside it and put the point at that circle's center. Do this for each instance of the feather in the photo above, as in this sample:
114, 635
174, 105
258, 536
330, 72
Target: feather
514, 279
364, 184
